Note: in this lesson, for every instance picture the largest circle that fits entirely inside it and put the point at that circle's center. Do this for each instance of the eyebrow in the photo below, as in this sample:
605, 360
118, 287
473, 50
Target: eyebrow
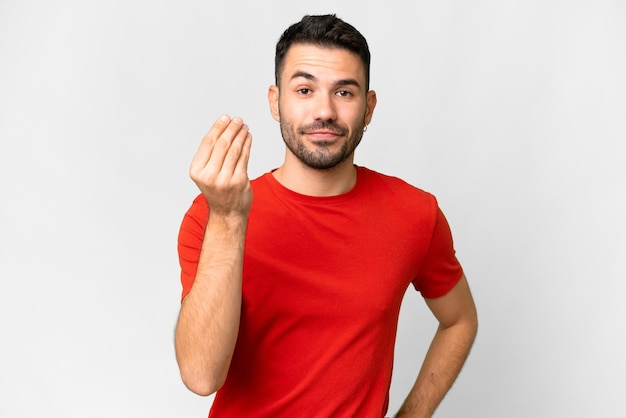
311, 77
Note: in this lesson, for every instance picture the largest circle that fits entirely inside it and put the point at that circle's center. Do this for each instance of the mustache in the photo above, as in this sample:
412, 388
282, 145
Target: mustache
323, 125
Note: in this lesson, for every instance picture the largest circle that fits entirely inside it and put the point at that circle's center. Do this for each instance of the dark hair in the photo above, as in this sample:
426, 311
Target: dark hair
326, 31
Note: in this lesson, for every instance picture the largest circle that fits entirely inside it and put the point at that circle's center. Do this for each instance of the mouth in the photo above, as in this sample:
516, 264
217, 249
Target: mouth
322, 127
323, 135
323, 131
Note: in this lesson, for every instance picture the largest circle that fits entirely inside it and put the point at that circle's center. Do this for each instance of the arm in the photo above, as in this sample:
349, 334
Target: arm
451, 344
208, 321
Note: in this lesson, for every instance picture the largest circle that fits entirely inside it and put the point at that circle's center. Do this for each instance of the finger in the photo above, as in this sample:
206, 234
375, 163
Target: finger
234, 152
205, 149
242, 163
223, 144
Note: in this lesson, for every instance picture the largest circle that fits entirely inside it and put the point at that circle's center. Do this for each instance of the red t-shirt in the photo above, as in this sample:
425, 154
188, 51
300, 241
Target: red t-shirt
323, 280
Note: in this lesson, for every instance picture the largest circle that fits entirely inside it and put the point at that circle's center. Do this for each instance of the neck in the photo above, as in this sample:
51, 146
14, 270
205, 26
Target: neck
315, 182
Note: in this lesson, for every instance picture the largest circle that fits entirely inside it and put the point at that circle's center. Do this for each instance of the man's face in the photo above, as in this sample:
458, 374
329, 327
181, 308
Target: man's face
322, 105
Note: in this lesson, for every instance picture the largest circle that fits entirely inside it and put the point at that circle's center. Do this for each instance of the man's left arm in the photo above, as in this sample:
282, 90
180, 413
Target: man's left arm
451, 344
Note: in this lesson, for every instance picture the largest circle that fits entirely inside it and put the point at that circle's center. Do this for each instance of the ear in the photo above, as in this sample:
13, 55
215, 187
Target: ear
272, 96
370, 105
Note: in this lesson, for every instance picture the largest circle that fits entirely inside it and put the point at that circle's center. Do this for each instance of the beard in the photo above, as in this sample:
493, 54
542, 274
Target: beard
321, 157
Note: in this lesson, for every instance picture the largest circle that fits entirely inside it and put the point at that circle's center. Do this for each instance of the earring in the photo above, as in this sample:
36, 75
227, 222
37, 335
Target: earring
365, 128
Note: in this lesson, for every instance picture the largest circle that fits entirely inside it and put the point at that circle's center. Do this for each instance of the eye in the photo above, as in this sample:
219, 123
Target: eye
344, 93
304, 91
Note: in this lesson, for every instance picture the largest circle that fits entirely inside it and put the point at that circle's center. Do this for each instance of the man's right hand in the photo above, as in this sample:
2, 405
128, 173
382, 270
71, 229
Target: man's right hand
220, 167
208, 322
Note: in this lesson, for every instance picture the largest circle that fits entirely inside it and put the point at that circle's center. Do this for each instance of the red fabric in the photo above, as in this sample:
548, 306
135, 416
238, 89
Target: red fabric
323, 281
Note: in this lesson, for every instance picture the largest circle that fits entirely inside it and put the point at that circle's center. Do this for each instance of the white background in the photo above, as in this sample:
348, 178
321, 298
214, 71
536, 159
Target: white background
511, 112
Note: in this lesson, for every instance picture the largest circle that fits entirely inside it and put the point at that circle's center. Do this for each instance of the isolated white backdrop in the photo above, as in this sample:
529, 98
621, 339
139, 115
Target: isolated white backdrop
511, 112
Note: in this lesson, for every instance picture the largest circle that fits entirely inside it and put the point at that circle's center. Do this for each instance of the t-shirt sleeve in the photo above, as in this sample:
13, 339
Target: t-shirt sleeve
440, 270
190, 238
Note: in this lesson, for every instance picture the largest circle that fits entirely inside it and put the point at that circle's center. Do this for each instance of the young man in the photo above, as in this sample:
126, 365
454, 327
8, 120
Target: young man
291, 299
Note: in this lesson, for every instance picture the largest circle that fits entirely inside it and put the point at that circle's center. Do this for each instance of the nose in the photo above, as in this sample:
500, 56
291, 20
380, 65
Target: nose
325, 108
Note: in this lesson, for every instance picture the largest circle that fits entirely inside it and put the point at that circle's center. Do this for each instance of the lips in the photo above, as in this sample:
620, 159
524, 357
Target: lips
323, 129
333, 133
323, 135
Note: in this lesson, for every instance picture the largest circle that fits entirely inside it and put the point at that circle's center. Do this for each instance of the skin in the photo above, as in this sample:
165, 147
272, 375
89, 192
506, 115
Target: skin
322, 107
448, 351
208, 321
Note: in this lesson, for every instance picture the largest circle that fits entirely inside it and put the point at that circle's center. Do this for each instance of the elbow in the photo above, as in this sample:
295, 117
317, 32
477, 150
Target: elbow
200, 388
467, 328
201, 379
472, 329
474, 322
471, 325
202, 385
198, 374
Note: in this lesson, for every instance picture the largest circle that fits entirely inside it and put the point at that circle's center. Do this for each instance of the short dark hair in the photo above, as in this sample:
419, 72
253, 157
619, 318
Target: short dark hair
326, 31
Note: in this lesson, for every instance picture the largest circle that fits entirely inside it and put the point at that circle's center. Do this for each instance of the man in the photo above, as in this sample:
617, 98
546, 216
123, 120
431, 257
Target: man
291, 299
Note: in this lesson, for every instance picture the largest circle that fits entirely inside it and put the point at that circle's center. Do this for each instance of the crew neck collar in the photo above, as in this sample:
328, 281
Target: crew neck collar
284, 192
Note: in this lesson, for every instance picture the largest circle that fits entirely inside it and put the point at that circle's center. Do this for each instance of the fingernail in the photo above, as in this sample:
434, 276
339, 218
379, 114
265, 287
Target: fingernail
237, 120
224, 118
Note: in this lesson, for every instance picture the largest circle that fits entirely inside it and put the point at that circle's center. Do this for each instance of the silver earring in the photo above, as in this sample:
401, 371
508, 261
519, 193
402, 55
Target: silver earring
365, 128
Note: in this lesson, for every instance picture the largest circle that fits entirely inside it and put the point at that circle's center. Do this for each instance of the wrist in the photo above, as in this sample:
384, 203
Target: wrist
228, 223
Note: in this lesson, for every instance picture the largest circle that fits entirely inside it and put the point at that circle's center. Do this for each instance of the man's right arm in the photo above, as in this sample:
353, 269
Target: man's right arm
208, 321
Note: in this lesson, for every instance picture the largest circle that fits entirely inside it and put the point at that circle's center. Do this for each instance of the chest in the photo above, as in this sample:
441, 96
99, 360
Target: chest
335, 262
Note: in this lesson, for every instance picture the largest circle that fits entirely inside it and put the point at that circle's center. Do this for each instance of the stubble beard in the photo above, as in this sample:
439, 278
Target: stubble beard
320, 158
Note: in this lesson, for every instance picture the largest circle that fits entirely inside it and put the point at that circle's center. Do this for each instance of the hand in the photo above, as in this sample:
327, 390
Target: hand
220, 167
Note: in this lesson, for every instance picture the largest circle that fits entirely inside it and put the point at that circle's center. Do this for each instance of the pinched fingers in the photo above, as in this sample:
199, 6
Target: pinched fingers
236, 159
241, 168
219, 168
227, 149
205, 149
209, 159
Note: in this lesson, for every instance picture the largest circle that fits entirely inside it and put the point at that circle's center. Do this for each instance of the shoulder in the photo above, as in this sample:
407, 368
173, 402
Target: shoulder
395, 187
195, 219
370, 176
199, 207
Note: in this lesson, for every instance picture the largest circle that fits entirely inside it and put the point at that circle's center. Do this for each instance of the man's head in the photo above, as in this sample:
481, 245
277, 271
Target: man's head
326, 31
321, 97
